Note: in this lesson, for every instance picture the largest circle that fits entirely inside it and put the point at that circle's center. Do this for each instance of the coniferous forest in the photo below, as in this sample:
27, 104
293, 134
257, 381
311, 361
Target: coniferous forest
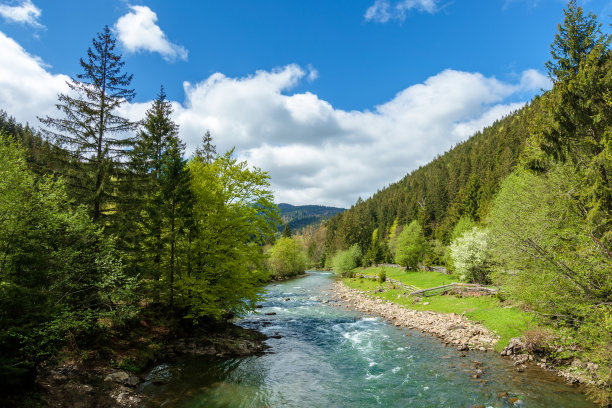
525, 204
108, 231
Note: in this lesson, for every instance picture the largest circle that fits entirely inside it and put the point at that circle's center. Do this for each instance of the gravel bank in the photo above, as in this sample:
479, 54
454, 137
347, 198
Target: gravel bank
451, 328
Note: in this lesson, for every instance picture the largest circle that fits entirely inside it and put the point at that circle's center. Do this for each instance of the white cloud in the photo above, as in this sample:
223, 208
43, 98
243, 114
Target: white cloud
533, 80
138, 31
382, 10
315, 153
25, 13
27, 89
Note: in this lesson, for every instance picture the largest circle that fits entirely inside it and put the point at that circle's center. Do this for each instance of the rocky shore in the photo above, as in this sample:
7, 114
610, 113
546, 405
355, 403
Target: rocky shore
96, 384
456, 330
451, 328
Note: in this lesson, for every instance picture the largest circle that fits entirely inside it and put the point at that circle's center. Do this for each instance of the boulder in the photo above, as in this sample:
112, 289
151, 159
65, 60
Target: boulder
516, 345
121, 377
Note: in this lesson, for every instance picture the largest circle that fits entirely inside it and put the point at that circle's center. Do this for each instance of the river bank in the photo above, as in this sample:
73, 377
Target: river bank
456, 330
451, 328
104, 383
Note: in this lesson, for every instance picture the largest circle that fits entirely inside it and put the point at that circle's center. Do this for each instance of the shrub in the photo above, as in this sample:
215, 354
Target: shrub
345, 261
287, 258
411, 246
382, 275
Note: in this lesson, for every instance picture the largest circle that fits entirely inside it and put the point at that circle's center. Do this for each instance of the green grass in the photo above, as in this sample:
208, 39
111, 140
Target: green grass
505, 320
420, 279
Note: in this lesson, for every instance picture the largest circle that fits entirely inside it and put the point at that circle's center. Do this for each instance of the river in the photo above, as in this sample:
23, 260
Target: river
323, 355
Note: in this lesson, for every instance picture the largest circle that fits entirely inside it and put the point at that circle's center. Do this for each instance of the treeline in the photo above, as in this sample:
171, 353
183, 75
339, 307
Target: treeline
462, 182
102, 218
526, 205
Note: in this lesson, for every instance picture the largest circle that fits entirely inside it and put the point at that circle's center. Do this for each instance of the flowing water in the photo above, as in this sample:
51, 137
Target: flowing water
328, 356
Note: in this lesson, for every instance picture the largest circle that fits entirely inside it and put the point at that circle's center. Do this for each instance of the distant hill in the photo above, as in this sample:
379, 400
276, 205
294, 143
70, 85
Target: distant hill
300, 216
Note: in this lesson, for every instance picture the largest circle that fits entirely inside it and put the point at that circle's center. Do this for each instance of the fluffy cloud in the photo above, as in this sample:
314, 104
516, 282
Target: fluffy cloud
382, 10
318, 154
25, 13
27, 89
138, 31
315, 153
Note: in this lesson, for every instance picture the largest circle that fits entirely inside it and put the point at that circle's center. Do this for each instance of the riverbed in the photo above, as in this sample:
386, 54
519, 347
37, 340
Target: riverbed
325, 355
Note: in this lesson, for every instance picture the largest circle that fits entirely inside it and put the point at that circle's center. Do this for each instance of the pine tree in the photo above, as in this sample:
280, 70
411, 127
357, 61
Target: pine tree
177, 202
577, 37
287, 231
208, 152
575, 120
90, 126
142, 210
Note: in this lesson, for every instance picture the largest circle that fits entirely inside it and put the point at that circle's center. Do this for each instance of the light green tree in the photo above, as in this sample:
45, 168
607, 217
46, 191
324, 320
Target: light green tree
344, 262
287, 257
542, 242
234, 215
411, 246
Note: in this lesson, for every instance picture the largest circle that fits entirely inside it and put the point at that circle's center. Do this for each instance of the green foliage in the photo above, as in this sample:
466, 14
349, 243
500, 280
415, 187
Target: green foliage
287, 258
575, 123
287, 231
382, 275
91, 127
465, 224
411, 246
550, 260
471, 255
578, 36
345, 261
378, 252
544, 243
233, 214
207, 152
60, 277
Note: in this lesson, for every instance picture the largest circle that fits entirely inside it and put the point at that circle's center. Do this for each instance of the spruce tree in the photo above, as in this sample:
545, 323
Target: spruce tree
176, 203
287, 231
575, 39
142, 206
90, 126
208, 152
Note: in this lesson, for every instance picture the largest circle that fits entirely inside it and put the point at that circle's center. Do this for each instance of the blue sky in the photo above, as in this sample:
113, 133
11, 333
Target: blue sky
335, 99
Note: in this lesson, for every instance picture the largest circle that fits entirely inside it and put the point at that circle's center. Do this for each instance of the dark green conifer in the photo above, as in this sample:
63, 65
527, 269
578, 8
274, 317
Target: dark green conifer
91, 128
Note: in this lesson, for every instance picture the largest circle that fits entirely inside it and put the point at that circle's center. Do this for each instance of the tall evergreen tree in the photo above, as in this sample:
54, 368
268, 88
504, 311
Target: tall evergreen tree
287, 231
576, 117
208, 152
91, 127
174, 182
576, 38
144, 212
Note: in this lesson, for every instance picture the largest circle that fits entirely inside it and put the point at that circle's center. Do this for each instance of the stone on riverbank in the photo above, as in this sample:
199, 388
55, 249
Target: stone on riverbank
451, 328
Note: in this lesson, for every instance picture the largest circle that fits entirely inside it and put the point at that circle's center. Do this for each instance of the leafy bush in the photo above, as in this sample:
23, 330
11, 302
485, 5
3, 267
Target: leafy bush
60, 277
345, 261
287, 258
382, 275
411, 246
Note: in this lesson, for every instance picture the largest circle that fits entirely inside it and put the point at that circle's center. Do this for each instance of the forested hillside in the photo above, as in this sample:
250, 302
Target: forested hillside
300, 216
460, 182
525, 204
